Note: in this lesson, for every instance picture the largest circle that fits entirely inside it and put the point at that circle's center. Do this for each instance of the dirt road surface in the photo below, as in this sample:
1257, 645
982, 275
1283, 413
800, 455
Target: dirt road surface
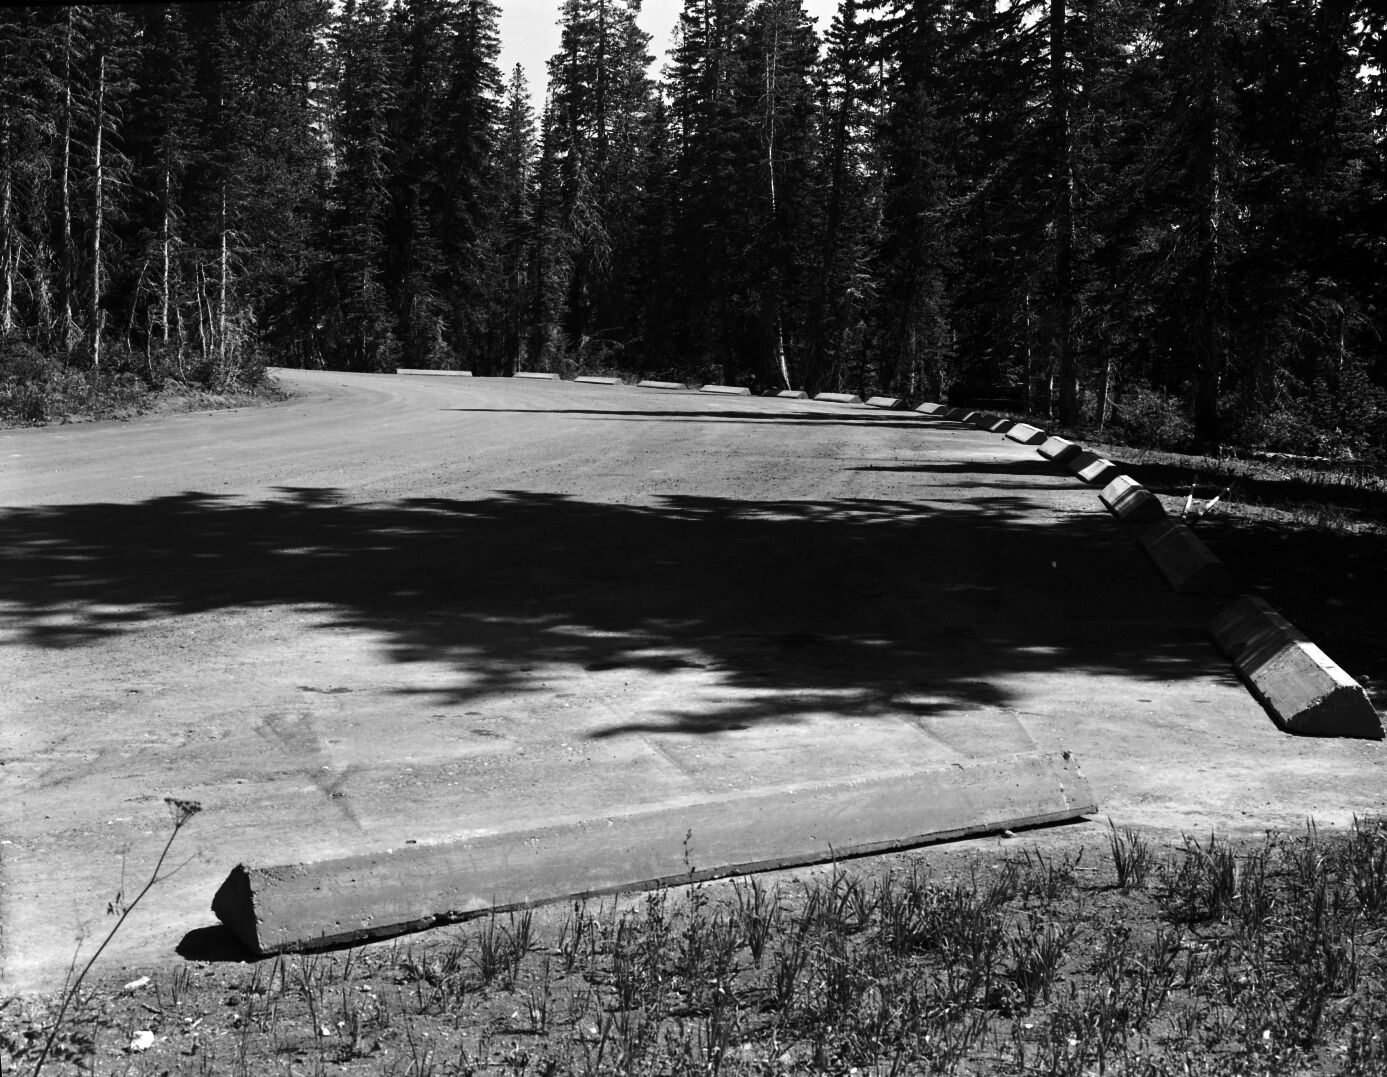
417, 609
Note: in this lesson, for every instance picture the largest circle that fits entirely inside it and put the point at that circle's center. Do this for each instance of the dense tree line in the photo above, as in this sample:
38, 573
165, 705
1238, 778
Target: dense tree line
1164, 216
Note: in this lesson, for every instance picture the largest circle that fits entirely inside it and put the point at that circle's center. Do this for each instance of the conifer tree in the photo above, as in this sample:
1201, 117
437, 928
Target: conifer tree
515, 171
470, 220
549, 250
413, 270
778, 102
361, 194
840, 289
915, 261
599, 109
658, 283
711, 138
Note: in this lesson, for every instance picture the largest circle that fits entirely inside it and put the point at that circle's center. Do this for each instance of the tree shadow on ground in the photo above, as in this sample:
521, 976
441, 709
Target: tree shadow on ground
1023, 467
875, 418
849, 607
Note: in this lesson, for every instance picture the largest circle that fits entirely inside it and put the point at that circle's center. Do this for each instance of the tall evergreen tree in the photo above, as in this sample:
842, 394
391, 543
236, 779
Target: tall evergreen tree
777, 99
599, 109
515, 173
916, 257
471, 219
710, 131
361, 192
840, 291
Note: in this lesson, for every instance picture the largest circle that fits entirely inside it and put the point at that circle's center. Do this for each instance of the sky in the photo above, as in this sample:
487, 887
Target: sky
530, 33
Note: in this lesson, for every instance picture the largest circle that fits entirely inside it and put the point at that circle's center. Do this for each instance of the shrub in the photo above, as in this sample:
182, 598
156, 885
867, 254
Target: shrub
35, 388
1340, 415
1152, 419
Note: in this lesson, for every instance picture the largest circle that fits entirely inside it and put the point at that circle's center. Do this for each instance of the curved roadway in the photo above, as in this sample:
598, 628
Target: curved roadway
411, 609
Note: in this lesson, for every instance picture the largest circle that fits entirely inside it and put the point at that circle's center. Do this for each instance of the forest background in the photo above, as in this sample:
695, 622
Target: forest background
1163, 219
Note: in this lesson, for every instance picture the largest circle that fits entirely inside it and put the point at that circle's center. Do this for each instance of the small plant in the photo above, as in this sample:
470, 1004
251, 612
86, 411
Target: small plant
1205, 885
438, 975
901, 904
575, 934
789, 959
1113, 962
628, 964
1156, 971
537, 1000
999, 888
1253, 901
1047, 879
1132, 856
707, 948
182, 812
1363, 862
502, 947
758, 915
1037, 950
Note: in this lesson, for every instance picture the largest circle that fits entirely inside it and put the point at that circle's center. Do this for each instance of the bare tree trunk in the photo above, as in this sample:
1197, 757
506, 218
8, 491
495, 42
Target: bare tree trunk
8, 247
1029, 358
1064, 216
1105, 390
135, 305
600, 104
182, 341
772, 89
167, 243
828, 283
221, 287
98, 213
65, 272
1209, 328
200, 296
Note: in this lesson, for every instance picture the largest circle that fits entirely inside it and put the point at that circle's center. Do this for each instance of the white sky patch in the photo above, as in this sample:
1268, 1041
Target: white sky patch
530, 34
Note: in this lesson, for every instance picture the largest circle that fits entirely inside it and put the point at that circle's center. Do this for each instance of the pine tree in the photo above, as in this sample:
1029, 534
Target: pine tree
549, 254
657, 295
778, 100
515, 172
840, 288
1191, 164
600, 104
915, 260
471, 212
361, 195
710, 134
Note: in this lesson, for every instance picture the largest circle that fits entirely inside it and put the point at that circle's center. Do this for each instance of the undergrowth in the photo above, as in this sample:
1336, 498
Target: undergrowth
1206, 957
38, 388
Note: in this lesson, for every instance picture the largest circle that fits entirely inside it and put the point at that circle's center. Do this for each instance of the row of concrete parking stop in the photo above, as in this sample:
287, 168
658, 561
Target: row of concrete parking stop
1302, 687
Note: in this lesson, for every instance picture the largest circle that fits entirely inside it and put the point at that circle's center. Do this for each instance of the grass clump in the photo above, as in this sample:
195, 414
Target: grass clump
1210, 957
